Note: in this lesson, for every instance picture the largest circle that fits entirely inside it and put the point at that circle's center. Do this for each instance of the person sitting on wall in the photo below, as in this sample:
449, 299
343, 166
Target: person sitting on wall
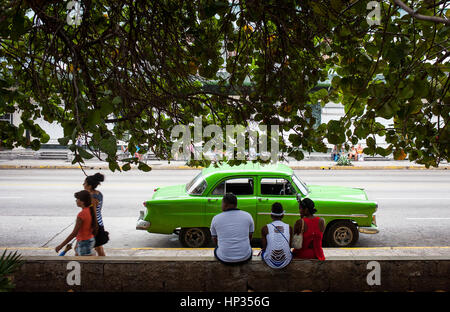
335, 153
312, 232
276, 239
232, 231
353, 154
359, 150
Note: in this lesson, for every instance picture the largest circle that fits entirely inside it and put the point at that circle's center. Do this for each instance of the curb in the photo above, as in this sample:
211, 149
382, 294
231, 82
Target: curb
198, 168
92, 167
367, 168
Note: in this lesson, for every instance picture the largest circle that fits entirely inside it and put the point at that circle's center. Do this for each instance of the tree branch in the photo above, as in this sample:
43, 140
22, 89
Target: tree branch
434, 19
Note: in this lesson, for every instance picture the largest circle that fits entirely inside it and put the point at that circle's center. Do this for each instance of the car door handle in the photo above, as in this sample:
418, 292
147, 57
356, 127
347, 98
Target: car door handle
260, 199
212, 200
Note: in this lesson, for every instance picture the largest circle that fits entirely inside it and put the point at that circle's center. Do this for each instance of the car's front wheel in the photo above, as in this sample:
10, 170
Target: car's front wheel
342, 233
195, 237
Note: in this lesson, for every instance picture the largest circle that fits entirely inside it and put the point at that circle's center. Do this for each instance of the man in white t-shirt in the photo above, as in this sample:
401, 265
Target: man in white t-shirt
232, 231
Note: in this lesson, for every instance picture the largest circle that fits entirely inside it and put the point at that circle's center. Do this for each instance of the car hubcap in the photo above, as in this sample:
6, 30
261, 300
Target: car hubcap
195, 237
343, 236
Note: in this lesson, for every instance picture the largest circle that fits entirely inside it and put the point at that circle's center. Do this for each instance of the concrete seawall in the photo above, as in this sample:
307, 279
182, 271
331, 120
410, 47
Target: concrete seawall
124, 274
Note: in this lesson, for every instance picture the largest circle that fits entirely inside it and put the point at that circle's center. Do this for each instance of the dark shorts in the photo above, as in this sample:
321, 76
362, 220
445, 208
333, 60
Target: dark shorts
102, 237
232, 263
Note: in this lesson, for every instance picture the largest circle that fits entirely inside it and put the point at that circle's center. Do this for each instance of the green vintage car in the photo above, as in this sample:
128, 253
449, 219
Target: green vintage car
187, 209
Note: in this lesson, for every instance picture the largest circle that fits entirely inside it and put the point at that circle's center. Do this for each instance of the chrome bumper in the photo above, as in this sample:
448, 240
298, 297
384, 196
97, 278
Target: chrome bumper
141, 224
369, 229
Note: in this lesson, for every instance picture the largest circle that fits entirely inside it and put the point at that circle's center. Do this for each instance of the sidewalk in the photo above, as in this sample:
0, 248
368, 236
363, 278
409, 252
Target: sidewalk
177, 165
208, 253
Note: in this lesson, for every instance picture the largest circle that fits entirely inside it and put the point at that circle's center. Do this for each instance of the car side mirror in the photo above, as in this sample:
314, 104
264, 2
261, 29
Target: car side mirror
299, 197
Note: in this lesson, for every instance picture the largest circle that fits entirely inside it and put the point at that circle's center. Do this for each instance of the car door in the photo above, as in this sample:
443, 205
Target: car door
242, 187
272, 190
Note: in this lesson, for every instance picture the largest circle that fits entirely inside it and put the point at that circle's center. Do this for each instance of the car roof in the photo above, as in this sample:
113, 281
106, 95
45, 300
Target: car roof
248, 168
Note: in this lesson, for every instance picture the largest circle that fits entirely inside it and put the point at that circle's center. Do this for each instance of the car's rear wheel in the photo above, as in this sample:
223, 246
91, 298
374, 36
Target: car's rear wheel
194, 237
342, 233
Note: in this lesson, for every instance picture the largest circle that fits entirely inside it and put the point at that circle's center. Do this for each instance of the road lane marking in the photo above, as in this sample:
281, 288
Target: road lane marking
321, 215
428, 218
27, 248
413, 198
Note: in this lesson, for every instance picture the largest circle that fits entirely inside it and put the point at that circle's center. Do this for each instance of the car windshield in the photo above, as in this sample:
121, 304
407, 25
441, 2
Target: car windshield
301, 185
196, 186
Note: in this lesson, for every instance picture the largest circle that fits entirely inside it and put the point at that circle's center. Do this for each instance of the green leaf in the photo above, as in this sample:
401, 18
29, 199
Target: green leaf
107, 107
45, 138
386, 111
85, 154
144, 167
117, 100
109, 146
18, 26
64, 141
370, 142
126, 167
9, 263
420, 88
94, 118
406, 92
77, 159
113, 166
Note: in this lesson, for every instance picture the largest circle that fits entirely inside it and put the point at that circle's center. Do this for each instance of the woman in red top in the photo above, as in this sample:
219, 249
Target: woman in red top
312, 232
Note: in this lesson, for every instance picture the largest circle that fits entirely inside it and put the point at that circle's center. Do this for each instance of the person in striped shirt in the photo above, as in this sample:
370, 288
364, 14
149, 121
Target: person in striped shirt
90, 184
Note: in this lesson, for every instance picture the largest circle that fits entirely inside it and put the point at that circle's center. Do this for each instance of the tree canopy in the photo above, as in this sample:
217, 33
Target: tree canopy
138, 68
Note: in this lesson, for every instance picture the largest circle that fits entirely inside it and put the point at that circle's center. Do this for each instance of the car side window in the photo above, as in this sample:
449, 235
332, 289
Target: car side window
219, 190
237, 186
276, 186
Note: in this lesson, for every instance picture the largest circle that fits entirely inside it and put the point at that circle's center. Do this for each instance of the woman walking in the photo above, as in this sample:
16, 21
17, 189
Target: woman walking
312, 232
90, 184
85, 226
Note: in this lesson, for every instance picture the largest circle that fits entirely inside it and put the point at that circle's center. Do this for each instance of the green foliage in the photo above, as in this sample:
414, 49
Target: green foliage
9, 263
139, 68
344, 161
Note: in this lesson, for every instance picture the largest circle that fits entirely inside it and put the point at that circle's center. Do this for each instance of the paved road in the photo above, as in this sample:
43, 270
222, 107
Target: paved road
37, 208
